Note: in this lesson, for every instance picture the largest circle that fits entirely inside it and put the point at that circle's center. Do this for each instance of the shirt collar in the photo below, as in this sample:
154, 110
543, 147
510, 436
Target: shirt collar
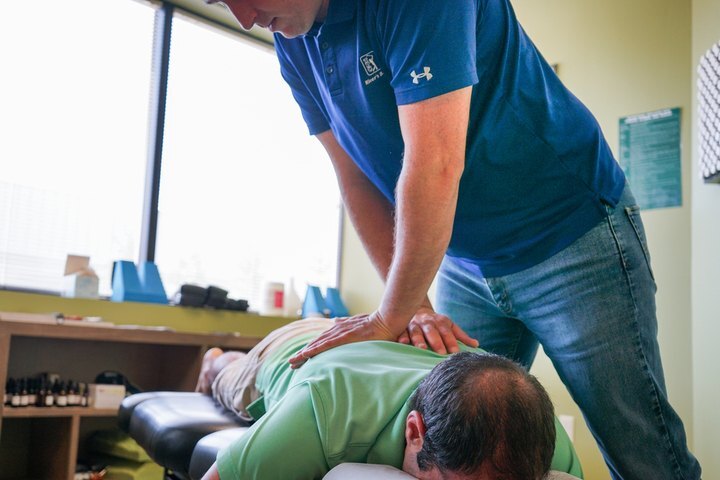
338, 11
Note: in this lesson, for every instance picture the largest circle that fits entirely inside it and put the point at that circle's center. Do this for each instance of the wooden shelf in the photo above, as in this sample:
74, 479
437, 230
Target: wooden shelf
37, 442
45, 412
129, 334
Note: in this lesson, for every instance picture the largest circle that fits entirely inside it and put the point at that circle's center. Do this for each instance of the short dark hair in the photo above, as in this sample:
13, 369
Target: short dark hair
480, 408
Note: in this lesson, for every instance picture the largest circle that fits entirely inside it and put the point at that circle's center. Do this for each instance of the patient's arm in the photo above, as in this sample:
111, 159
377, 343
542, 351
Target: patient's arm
284, 443
212, 474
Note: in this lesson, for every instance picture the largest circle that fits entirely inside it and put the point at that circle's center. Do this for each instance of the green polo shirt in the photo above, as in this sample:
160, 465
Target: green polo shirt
348, 404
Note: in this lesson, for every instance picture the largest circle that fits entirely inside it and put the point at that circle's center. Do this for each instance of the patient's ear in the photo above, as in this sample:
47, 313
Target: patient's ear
414, 431
414, 438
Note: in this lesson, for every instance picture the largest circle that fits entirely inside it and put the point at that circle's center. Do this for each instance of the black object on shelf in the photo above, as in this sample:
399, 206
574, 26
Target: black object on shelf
213, 297
216, 297
191, 296
236, 305
110, 377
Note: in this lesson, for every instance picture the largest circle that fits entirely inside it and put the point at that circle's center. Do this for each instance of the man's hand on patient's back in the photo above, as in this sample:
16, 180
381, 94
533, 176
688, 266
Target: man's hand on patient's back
358, 328
431, 329
427, 328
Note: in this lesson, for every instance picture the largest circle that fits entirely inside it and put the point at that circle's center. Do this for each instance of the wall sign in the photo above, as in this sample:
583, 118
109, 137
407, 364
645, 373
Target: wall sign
650, 156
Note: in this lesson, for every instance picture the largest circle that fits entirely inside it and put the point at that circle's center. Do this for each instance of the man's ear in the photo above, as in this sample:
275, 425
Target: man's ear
414, 431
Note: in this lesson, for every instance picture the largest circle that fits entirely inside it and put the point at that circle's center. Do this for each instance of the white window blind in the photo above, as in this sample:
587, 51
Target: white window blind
73, 116
246, 195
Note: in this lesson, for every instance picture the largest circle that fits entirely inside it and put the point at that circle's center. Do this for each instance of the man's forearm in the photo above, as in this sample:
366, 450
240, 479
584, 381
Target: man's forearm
408, 249
426, 202
371, 214
434, 132
373, 218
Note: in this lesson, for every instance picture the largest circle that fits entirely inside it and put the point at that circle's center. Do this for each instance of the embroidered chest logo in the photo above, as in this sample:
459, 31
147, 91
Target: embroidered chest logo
417, 76
371, 68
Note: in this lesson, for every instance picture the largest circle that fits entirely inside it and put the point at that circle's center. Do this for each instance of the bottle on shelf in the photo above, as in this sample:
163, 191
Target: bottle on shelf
78, 395
9, 391
32, 392
49, 394
84, 394
15, 397
41, 393
71, 398
24, 396
293, 303
61, 396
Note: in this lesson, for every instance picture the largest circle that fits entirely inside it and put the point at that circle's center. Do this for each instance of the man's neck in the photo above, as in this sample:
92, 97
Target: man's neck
322, 13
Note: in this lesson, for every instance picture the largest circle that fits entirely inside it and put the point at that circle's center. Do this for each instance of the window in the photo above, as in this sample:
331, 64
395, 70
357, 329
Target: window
74, 95
246, 195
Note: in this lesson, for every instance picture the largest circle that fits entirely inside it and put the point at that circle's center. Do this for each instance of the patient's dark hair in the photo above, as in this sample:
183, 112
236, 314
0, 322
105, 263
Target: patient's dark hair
480, 408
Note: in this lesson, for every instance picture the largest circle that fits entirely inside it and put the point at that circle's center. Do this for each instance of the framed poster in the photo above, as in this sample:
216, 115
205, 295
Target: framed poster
650, 156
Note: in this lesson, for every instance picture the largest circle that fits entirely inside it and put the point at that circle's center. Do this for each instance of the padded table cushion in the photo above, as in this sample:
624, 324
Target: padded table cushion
362, 471
127, 407
208, 447
168, 426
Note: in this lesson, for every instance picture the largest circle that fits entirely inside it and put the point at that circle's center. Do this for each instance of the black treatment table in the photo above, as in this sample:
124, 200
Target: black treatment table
181, 431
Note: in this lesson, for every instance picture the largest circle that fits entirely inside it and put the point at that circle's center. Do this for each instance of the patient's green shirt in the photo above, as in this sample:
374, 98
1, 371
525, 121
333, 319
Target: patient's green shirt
348, 404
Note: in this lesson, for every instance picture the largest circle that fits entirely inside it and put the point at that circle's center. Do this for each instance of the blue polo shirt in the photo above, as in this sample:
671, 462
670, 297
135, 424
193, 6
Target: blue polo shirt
538, 170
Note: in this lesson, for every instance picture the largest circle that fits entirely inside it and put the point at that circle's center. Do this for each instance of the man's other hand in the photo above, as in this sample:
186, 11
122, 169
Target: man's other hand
428, 328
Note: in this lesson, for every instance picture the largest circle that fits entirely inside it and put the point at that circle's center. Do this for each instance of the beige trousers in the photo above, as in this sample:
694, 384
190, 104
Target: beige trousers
234, 387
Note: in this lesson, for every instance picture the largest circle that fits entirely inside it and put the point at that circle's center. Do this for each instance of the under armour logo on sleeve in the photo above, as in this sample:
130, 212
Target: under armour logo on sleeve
426, 75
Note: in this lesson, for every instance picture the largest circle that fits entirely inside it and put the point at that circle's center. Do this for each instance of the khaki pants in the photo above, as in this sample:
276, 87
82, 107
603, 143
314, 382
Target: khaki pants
234, 387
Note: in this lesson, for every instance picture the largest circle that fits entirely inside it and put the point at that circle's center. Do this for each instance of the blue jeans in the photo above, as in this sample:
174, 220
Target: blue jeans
592, 307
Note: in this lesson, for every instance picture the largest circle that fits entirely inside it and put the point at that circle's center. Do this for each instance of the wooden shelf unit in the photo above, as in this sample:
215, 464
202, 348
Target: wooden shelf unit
35, 412
38, 442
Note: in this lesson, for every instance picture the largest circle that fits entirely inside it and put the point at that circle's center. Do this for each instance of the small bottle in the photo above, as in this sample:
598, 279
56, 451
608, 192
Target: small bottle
84, 393
61, 397
49, 395
15, 399
32, 392
273, 299
78, 394
71, 398
6, 396
24, 396
293, 303
41, 393
9, 391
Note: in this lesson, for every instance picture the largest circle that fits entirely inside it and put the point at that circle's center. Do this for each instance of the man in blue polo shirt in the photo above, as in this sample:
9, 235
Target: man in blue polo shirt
459, 153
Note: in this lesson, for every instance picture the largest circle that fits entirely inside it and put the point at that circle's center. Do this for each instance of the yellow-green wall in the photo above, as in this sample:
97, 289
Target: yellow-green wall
620, 58
705, 272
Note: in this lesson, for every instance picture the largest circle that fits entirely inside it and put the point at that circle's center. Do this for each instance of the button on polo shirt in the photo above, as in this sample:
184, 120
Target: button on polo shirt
538, 171
328, 61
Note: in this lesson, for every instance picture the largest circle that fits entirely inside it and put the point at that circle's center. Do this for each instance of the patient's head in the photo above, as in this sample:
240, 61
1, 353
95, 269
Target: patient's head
479, 416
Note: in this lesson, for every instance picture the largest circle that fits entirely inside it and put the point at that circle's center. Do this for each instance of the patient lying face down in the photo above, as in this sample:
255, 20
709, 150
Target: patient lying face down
467, 415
